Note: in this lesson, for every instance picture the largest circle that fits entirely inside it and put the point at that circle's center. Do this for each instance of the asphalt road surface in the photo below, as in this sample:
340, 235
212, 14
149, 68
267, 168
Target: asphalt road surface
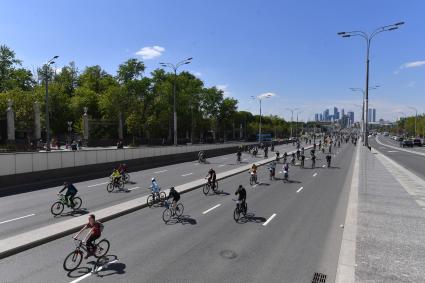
411, 161
24, 212
292, 231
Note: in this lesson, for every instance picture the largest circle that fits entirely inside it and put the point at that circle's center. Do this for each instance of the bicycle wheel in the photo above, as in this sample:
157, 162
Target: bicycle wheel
121, 184
166, 215
179, 209
236, 214
57, 208
162, 196
150, 201
206, 189
110, 187
251, 180
126, 177
102, 248
73, 260
77, 202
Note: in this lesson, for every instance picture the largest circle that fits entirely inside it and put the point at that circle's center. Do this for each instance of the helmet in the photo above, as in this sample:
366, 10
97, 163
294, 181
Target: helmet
172, 189
153, 179
240, 186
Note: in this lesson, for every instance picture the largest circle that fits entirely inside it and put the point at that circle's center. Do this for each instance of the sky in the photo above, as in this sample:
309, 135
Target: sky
247, 48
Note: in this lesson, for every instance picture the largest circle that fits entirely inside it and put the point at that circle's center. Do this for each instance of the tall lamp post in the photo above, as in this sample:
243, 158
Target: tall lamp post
259, 98
292, 116
368, 38
363, 106
296, 131
416, 117
174, 67
46, 78
404, 123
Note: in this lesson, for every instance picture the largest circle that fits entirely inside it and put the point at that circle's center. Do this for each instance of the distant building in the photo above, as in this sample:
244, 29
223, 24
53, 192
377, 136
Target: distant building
326, 115
371, 115
342, 113
320, 117
316, 117
350, 115
336, 114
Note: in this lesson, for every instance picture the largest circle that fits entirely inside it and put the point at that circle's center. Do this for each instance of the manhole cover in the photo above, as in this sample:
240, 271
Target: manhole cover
228, 254
319, 278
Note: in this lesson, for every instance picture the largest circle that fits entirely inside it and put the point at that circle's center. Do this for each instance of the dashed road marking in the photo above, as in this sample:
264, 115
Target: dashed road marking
315, 174
184, 175
208, 210
90, 273
270, 219
323, 165
162, 171
97, 185
390, 151
300, 189
254, 185
17, 218
135, 188
221, 165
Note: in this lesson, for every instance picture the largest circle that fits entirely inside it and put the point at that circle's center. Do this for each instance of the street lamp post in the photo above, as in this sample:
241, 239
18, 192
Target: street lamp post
363, 106
260, 97
292, 116
296, 131
174, 67
46, 78
69, 131
416, 118
368, 39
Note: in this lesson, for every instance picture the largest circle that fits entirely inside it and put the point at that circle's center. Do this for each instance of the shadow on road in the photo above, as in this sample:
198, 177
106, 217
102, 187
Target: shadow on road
102, 267
184, 220
74, 213
250, 217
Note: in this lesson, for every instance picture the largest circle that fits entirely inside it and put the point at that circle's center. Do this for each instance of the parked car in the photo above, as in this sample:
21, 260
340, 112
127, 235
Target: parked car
417, 142
399, 139
406, 143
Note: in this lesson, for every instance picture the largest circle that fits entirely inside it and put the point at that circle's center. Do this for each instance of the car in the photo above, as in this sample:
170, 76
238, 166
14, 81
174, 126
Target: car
417, 142
399, 139
406, 143
386, 134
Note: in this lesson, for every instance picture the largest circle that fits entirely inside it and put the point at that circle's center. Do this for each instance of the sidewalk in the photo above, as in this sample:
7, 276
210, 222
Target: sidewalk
390, 241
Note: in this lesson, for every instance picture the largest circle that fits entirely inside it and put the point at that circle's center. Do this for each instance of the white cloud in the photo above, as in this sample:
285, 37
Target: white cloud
197, 74
408, 65
150, 52
224, 88
267, 94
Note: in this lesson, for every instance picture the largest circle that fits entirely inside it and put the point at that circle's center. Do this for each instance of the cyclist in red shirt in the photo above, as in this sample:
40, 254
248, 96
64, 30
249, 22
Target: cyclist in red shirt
95, 232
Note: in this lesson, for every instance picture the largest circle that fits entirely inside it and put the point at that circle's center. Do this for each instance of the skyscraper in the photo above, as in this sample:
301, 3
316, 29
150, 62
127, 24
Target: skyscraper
326, 115
374, 115
336, 114
371, 115
316, 117
350, 115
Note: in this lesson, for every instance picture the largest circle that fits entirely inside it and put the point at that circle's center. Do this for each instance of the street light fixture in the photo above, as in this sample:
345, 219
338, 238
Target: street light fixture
259, 98
174, 67
46, 77
368, 38
292, 116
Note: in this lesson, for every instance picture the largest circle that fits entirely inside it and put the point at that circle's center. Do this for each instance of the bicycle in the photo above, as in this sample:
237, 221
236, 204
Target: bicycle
73, 260
272, 172
59, 205
208, 186
170, 212
119, 184
313, 163
239, 210
154, 198
125, 177
252, 178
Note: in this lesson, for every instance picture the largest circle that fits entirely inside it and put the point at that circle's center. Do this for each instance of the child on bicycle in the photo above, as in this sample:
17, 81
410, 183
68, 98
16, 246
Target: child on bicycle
155, 188
95, 232
115, 176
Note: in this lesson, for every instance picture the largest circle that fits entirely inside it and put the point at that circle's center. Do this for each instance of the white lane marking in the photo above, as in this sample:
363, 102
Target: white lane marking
208, 210
10, 220
324, 166
184, 175
90, 273
221, 165
245, 159
390, 151
299, 190
270, 219
315, 174
307, 158
97, 185
162, 171
196, 164
254, 185
135, 188
280, 172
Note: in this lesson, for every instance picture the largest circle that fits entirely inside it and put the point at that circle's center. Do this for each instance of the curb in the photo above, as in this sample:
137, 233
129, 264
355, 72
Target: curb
45, 234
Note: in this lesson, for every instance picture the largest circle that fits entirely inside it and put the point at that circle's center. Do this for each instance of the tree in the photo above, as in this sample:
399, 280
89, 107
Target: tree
67, 79
130, 70
96, 79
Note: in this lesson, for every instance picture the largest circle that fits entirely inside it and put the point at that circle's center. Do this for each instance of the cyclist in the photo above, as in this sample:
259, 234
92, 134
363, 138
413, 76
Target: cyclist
313, 160
95, 232
115, 176
175, 195
122, 168
298, 154
155, 188
285, 155
241, 193
277, 155
328, 160
254, 171
212, 176
273, 168
302, 150
293, 159
202, 156
266, 150
302, 160
285, 170
239, 154
71, 191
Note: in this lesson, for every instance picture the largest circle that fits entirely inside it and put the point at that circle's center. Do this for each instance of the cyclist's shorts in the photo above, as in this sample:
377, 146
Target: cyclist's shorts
176, 199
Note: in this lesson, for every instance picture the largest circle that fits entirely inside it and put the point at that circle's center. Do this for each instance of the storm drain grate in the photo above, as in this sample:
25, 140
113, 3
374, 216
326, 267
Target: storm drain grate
319, 278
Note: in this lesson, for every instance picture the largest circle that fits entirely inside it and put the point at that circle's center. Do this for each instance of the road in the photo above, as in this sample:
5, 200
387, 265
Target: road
25, 212
292, 231
414, 162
